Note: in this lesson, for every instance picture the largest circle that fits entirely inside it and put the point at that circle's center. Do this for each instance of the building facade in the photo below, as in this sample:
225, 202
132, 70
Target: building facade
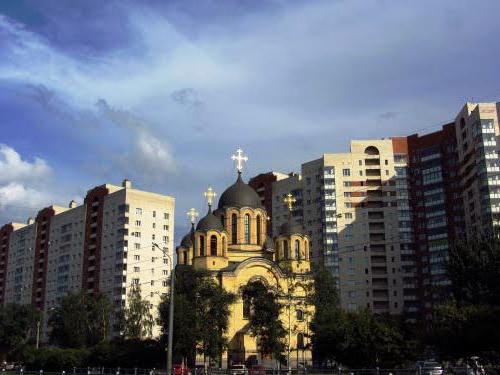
102, 246
233, 243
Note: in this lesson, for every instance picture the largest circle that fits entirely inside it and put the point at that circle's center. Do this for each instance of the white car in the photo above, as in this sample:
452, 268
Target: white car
238, 369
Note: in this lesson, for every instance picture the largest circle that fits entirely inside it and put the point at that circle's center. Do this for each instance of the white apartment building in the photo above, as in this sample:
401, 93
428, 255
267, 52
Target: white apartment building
119, 237
355, 207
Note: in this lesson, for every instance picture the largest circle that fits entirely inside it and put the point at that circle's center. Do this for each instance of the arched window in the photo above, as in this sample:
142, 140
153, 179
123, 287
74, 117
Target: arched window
297, 249
213, 245
285, 249
300, 315
306, 250
234, 228
300, 341
247, 228
223, 250
202, 246
258, 229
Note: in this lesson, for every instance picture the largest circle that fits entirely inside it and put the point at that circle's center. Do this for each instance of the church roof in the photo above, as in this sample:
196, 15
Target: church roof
239, 195
186, 241
210, 222
287, 229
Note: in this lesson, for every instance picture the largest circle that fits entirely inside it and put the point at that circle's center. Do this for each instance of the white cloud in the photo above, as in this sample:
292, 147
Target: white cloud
18, 196
14, 169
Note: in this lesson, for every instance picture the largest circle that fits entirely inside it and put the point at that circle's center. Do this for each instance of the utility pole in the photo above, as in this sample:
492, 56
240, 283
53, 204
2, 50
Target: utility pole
170, 310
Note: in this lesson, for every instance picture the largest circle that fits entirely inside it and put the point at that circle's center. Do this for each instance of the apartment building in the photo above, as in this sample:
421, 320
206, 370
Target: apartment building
106, 245
477, 131
437, 208
263, 185
355, 207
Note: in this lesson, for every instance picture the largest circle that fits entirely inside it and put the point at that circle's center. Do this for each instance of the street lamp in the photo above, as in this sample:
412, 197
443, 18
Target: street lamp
171, 309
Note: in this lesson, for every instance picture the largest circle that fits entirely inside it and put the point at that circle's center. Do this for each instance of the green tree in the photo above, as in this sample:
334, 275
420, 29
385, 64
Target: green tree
17, 327
137, 318
201, 315
265, 318
80, 320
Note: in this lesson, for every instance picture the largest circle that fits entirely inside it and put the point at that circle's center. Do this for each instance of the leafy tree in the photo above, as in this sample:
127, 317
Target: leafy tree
201, 315
474, 271
137, 318
17, 326
264, 318
80, 320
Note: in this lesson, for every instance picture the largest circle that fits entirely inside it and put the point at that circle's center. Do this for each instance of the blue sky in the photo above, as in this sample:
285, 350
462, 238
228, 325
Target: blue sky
162, 92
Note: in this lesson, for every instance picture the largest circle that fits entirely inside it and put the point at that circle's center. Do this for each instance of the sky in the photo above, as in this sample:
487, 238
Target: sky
163, 92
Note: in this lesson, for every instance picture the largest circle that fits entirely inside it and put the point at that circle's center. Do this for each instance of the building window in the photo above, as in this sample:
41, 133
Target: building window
300, 341
137, 223
138, 211
300, 315
213, 245
165, 216
247, 228
137, 269
154, 213
285, 249
165, 227
137, 257
258, 230
137, 246
234, 228
346, 172
202, 246
297, 249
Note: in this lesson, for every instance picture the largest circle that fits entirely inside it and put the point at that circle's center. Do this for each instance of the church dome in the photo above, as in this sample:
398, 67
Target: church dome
186, 241
210, 222
239, 195
287, 229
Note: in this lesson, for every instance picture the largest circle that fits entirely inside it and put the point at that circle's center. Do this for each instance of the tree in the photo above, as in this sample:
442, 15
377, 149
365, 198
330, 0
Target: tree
474, 270
17, 327
81, 320
137, 318
201, 315
264, 318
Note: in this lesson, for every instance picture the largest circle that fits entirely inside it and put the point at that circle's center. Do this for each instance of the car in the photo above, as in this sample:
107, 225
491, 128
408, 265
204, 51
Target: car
181, 370
238, 369
428, 367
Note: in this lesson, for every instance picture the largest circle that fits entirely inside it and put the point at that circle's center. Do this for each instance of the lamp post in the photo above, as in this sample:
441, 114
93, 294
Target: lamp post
170, 311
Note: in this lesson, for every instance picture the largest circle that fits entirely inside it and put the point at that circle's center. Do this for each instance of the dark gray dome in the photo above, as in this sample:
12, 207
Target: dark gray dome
287, 229
186, 241
210, 222
239, 195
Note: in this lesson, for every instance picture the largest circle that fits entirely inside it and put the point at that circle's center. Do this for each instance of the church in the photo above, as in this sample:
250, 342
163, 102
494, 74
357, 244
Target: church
232, 242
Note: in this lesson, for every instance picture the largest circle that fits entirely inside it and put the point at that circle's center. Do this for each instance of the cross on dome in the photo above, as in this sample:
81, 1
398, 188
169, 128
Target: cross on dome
192, 214
290, 201
239, 158
210, 195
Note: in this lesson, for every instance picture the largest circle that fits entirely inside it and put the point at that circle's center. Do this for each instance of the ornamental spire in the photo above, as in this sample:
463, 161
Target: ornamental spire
240, 158
192, 214
210, 195
290, 201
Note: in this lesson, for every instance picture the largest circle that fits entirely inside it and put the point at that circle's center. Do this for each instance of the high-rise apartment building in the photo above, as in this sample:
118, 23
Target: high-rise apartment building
263, 185
355, 206
105, 245
477, 131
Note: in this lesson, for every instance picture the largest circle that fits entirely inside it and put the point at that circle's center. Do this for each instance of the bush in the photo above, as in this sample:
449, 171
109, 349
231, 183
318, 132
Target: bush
54, 359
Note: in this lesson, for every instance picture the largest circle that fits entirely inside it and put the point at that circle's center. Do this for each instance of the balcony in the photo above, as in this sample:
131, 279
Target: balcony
370, 162
373, 173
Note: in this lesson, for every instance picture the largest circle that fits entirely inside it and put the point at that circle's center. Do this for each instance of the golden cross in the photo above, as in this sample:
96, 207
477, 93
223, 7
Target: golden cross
192, 214
210, 195
239, 158
289, 201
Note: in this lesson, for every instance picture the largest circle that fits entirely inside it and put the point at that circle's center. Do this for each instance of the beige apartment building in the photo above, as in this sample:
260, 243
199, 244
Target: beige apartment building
104, 245
355, 208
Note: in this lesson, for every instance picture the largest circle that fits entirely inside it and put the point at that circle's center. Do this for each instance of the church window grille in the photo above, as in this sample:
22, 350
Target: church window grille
258, 230
213, 245
300, 341
202, 246
234, 228
247, 228
297, 249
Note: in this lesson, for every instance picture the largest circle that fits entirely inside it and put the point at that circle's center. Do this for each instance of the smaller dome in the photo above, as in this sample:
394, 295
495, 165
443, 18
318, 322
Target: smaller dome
210, 222
186, 241
287, 229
